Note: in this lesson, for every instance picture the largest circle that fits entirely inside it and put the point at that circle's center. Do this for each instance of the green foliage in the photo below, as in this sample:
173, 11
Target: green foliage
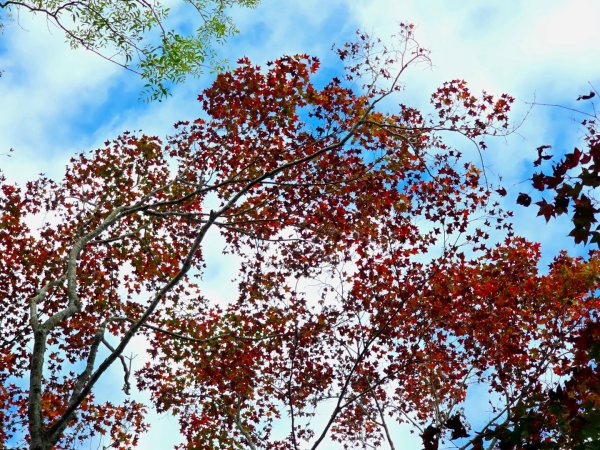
141, 36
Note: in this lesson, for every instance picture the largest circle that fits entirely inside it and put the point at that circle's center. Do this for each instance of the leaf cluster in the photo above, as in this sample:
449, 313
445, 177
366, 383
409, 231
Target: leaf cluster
572, 182
142, 36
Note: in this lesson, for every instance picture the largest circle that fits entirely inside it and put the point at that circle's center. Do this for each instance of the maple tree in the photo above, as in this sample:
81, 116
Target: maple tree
139, 35
370, 292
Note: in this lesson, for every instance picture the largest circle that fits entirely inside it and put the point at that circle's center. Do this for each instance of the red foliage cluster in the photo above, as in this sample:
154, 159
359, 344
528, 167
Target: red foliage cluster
369, 290
564, 416
572, 183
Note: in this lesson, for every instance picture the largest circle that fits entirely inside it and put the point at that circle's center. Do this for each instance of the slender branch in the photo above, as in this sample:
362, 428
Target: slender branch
74, 304
126, 368
539, 369
196, 340
384, 424
113, 239
238, 423
91, 359
578, 111
289, 387
54, 16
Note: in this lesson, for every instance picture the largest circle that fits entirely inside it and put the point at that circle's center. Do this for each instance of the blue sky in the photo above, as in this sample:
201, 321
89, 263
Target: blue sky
56, 101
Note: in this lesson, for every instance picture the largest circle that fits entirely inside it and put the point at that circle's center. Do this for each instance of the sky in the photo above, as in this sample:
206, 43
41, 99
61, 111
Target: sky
55, 101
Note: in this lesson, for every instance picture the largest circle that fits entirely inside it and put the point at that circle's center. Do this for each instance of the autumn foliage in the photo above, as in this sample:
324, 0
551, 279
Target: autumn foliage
370, 291
566, 415
572, 180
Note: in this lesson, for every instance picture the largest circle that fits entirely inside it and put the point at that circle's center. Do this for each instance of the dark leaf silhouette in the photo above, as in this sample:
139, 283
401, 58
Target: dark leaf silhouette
455, 425
541, 155
589, 96
431, 438
524, 199
546, 209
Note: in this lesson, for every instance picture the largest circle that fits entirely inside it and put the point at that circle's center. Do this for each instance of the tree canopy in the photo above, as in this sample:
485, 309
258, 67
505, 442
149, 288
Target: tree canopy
140, 35
370, 290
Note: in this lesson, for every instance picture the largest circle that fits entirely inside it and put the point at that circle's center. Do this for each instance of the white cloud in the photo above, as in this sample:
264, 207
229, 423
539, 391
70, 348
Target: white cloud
48, 91
497, 45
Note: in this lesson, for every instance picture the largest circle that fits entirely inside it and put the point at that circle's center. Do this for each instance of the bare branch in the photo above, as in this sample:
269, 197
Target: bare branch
125, 365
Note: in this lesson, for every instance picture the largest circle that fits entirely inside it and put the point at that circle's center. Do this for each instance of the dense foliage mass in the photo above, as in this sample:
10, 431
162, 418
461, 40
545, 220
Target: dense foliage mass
370, 292
140, 35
